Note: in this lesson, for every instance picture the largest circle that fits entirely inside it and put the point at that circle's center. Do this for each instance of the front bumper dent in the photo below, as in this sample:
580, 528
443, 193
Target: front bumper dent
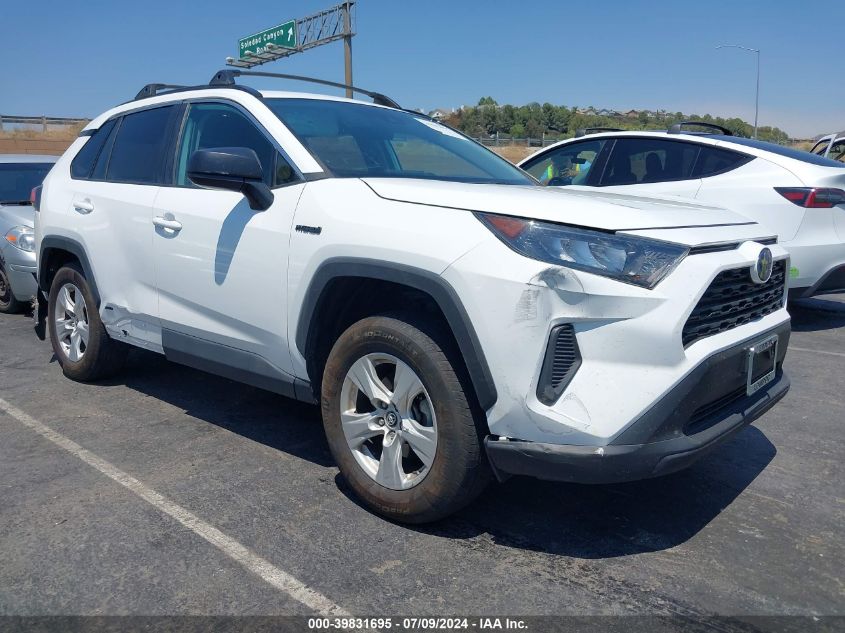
702, 411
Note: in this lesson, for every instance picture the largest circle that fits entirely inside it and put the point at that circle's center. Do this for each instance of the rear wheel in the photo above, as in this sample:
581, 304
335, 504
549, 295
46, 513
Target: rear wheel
399, 422
80, 341
8, 303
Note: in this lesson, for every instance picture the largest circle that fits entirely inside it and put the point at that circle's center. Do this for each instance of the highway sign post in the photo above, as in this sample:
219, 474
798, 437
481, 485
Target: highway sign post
283, 36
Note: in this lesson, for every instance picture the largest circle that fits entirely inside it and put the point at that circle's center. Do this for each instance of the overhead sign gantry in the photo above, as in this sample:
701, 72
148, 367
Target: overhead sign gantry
296, 36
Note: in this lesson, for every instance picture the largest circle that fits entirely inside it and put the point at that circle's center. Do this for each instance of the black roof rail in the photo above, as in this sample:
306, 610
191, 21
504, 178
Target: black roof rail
592, 130
227, 76
151, 90
676, 128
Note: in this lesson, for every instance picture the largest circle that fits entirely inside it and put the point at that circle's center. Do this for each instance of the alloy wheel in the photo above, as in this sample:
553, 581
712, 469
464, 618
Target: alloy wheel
71, 318
388, 420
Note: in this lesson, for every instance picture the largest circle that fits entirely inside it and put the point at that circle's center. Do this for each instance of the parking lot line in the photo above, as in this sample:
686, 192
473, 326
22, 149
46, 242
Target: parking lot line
792, 348
268, 572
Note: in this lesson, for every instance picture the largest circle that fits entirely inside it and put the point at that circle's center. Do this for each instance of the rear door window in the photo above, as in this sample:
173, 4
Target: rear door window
644, 160
714, 160
569, 164
140, 147
83, 162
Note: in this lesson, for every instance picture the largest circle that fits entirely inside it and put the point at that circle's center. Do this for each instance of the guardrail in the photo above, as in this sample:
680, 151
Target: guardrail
508, 141
10, 122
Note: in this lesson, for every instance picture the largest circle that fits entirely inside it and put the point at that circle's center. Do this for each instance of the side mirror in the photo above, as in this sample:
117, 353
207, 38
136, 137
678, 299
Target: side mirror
233, 169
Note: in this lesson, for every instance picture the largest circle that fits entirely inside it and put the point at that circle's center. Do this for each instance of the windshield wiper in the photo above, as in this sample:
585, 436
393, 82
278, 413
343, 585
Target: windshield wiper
17, 203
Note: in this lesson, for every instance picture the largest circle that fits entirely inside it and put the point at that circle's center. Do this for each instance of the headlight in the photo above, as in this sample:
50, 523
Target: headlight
634, 260
22, 237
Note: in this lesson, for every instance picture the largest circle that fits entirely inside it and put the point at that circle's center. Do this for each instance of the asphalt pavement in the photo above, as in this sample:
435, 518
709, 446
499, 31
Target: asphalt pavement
133, 496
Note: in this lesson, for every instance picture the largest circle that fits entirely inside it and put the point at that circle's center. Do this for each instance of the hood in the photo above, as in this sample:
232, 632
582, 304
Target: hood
17, 215
589, 209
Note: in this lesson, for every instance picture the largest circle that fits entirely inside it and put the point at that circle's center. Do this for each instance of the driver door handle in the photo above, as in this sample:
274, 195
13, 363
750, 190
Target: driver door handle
165, 223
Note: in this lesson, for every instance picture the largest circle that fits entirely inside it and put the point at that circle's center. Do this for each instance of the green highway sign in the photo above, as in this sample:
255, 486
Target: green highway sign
283, 35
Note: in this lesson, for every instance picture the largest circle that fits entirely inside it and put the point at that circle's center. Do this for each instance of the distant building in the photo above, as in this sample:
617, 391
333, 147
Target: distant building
439, 113
631, 114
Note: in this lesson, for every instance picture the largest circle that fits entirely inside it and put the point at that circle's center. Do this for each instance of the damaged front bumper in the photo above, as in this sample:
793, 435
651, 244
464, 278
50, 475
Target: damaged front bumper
706, 408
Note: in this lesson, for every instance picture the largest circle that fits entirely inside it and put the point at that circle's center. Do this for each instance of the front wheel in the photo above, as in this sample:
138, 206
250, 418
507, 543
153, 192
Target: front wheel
399, 422
8, 303
79, 339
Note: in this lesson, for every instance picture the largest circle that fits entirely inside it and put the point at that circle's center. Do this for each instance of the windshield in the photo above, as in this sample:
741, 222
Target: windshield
358, 141
17, 180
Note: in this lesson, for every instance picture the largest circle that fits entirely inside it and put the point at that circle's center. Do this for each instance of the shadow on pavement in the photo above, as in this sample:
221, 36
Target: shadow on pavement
281, 423
580, 521
592, 522
818, 313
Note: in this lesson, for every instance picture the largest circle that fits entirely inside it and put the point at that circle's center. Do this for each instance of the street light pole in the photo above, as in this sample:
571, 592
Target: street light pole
757, 97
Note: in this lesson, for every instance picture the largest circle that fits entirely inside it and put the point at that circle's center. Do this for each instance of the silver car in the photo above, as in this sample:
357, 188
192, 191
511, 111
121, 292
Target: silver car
19, 174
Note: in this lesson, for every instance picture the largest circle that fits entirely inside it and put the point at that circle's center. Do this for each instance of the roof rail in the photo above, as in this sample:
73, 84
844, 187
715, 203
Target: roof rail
151, 90
676, 128
592, 130
227, 76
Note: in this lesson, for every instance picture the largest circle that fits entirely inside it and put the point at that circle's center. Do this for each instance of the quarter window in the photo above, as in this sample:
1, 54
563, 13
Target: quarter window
102, 163
83, 162
569, 164
821, 147
212, 125
138, 154
714, 160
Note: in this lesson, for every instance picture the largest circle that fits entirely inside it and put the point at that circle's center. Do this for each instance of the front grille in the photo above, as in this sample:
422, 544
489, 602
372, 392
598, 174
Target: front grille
733, 300
559, 365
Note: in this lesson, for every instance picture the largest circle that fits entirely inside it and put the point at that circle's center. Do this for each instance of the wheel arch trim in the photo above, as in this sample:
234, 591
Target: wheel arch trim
55, 242
443, 294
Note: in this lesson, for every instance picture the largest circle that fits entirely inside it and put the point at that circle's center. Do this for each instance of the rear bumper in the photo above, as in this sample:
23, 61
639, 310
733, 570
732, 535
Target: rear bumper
703, 410
832, 281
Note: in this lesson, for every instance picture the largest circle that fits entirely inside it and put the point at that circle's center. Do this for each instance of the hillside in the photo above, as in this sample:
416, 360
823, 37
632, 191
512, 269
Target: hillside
551, 121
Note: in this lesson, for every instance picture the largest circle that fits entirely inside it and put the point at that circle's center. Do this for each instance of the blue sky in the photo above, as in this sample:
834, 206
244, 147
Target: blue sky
79, 58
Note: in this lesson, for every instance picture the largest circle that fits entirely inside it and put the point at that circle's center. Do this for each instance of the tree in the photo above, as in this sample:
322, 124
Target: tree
487, 101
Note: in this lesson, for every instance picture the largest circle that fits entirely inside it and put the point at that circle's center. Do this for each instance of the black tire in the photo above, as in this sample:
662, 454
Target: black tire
459, 471
8, 303
103, 356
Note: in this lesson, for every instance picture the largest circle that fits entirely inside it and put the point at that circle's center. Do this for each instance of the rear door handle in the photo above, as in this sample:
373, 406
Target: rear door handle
83, 206
166, 223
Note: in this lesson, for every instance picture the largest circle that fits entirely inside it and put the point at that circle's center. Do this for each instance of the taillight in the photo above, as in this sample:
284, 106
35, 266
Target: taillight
813, 197
35, 198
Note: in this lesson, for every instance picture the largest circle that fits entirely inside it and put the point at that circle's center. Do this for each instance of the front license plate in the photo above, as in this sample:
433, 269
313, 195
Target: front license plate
762, 359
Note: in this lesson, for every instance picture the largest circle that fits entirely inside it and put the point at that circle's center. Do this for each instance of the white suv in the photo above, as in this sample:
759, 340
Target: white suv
796, 195
453, 318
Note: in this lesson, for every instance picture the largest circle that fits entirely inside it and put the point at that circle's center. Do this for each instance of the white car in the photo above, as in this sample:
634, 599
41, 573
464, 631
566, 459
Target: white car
795, 195
831, 146
453, 318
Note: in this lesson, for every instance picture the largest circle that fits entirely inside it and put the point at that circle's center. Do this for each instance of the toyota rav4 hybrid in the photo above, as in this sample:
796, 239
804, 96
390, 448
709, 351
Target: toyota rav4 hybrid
796, 195
454, 319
